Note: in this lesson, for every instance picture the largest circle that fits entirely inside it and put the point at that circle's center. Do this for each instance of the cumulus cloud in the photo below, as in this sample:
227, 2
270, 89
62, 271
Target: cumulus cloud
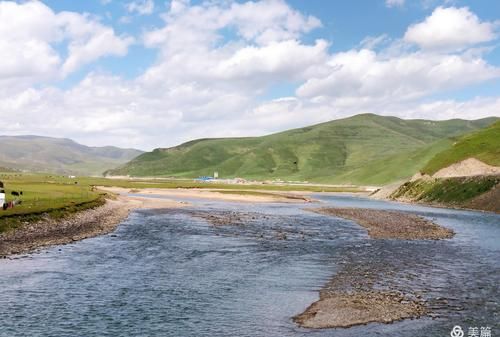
216, 62
89, 40
364, 73
450, 28
266, 48
31, 33
261, 22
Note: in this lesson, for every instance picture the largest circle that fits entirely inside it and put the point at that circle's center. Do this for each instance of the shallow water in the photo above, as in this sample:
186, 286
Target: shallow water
169, 273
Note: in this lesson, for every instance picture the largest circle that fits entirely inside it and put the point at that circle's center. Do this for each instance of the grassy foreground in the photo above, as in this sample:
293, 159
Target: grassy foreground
59, 196
44, 196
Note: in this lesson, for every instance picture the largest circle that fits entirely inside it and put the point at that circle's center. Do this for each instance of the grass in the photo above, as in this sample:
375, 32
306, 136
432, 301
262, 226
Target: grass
58, 196
52, 197
452, 191
364, 149
190, 183
483, 145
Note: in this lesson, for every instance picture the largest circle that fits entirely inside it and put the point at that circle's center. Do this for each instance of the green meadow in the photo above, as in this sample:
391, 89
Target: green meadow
58, 196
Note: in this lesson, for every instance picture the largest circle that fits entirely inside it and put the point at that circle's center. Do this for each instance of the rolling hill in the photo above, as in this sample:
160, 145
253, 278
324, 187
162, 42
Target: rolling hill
59, 155
363, 149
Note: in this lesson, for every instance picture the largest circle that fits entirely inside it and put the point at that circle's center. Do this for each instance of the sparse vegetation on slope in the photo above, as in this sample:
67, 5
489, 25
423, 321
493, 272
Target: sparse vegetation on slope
364, 149
483, 145
468, 192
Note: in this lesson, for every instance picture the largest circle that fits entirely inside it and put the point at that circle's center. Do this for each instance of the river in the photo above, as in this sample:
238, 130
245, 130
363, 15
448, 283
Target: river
171, 273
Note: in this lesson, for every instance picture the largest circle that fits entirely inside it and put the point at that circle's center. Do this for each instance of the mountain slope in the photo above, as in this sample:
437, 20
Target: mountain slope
58, 155
483, 145
364, 149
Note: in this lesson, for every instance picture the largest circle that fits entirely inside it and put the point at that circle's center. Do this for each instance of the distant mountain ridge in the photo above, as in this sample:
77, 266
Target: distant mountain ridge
60, 155
363, 149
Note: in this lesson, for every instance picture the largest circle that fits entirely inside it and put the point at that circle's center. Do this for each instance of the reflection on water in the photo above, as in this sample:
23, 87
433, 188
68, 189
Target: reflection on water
169, 273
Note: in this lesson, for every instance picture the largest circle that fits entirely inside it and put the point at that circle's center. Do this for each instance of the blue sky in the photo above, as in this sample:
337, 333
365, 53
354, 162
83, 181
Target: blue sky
145, 73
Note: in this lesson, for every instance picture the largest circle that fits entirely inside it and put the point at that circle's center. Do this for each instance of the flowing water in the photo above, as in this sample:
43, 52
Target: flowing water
172, 273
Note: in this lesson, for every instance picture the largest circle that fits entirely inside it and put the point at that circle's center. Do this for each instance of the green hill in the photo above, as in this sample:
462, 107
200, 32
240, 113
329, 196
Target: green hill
364, 149
483, 145
58, 155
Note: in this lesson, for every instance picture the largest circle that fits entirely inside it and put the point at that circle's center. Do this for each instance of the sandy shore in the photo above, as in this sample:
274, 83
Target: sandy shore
344, 310
267, 196
79, 226
382, 224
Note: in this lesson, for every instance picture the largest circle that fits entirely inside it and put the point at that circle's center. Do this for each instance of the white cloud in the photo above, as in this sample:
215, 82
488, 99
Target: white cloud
90, 40
216, 62
266, 49
141, 7
25, 35
394, 3
31, 36
450, 28
261, 22
364, 73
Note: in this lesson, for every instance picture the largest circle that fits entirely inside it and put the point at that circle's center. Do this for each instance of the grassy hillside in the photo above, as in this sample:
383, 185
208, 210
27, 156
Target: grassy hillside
478, 192
483, 145
364, 149
44, 154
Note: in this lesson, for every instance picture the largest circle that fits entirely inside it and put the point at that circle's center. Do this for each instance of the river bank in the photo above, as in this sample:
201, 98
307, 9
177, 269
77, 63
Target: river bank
214, 194
104, 219
81, 225
252, 271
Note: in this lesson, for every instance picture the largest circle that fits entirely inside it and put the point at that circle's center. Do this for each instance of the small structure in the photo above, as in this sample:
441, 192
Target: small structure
2, 194
204, 178
216, 175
